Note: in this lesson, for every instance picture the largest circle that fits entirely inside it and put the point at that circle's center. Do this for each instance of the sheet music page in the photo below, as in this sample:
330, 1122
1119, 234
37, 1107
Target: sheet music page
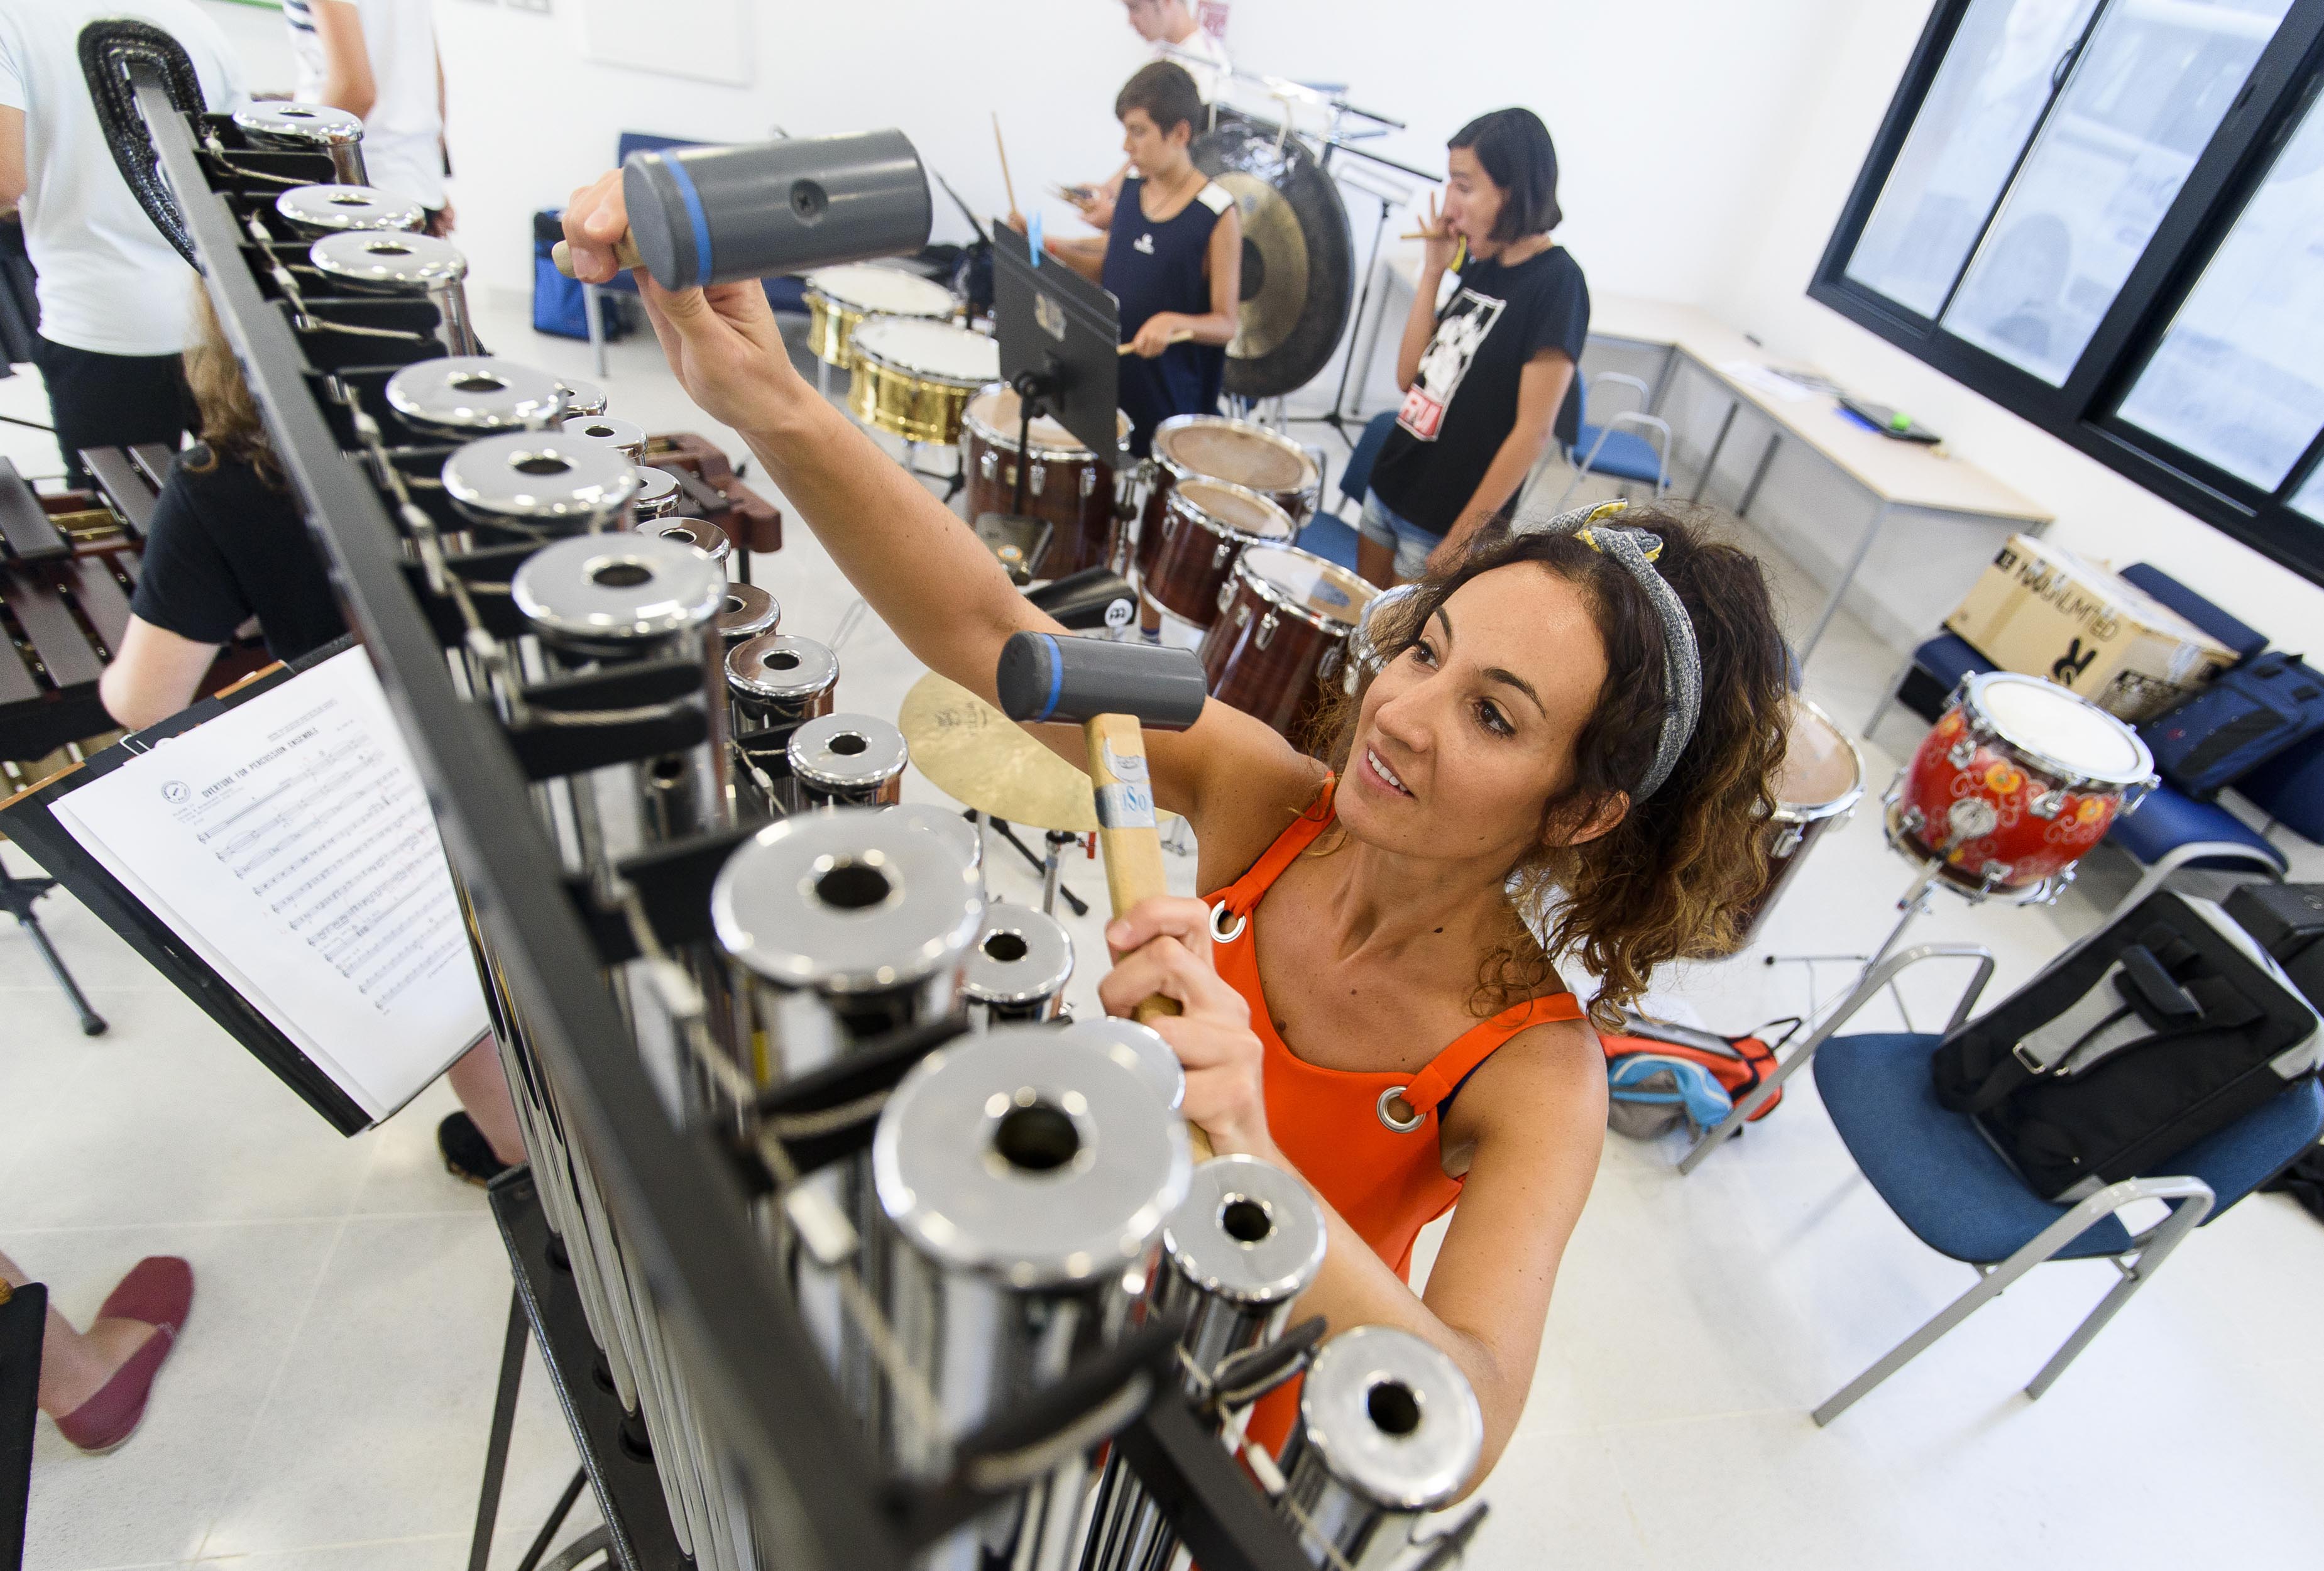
290, 843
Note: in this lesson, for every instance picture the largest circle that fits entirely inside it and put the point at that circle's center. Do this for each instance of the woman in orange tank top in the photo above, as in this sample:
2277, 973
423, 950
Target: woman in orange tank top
1362, 1003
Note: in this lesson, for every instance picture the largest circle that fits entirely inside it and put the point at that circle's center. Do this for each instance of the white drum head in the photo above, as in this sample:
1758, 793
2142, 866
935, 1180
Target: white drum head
1234, 509
994, 412
1235, 450
1823, 772
882, 290
935, 350
2057, 728
1324, 590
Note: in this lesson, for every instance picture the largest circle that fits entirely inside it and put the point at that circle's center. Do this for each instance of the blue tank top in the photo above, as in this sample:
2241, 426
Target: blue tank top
1152, 267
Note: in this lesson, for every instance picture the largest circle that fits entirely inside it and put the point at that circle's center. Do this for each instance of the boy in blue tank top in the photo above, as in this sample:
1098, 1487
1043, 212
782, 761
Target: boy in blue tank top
1173, 257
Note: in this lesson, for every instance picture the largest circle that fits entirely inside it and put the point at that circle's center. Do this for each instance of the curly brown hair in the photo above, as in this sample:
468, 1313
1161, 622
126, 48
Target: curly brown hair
232, 426
1674, 879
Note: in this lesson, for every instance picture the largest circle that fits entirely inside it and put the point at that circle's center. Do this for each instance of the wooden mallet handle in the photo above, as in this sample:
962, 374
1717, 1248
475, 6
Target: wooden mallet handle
625, 252
1129, 833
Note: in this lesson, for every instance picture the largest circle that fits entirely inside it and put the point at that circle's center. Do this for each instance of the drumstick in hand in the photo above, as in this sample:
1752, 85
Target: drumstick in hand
1180, 336
1007, 184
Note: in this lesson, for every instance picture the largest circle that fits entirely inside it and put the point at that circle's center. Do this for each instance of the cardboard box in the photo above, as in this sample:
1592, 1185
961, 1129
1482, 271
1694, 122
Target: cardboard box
2043, 610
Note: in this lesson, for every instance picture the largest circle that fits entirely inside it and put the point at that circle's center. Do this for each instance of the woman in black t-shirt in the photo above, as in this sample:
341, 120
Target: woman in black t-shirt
1488, 380
227, 543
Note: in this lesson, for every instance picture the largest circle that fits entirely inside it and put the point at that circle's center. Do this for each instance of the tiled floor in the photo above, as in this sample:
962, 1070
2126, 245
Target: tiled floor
328, 1408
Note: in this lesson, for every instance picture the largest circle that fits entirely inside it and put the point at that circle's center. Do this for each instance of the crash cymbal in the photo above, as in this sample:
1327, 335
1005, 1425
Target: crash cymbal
1298, 259
974, 753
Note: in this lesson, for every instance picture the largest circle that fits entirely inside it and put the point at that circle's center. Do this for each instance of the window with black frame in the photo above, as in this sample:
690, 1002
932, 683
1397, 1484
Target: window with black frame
2108, 216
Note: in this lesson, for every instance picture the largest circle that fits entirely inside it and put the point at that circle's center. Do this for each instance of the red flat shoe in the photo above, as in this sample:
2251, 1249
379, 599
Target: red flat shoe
157, 1291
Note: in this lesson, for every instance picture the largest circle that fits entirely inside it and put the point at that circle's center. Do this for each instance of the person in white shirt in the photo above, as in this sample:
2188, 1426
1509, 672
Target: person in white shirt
378, 60
114, 295
1169, 27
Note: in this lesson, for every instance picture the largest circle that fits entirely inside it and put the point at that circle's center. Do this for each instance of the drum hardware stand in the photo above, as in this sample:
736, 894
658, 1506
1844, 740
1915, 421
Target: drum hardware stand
1058, 839
1918, 902
1048, 870
16, 898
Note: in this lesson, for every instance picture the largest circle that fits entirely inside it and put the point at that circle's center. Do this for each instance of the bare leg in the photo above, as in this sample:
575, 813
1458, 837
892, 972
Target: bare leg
1376, 562
482, 1087
75, 1367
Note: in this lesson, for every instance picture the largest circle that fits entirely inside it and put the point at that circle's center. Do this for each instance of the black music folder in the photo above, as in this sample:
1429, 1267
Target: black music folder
271, 851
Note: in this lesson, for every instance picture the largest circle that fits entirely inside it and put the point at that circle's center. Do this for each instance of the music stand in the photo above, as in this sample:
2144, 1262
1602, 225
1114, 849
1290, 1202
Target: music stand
1060, 349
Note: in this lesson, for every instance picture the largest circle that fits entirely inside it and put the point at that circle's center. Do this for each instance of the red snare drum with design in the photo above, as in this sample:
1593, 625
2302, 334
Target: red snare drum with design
2016, 782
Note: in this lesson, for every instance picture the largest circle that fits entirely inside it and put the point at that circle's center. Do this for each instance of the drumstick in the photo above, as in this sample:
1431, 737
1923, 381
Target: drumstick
1180, 336
1460, 252
1006, 183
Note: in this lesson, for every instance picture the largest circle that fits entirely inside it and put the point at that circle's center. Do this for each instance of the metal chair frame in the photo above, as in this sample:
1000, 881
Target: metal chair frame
2137, 1265
1875, 979
2192, 1201
1639, 418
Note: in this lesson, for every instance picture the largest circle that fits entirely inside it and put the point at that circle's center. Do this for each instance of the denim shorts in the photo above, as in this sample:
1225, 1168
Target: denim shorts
1410, 541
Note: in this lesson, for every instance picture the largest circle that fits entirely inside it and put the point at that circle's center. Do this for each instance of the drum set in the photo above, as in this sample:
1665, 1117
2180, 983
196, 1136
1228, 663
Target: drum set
1210, 523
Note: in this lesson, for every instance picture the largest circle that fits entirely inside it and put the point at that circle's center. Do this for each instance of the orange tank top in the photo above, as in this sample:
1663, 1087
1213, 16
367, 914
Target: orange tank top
1379, 1164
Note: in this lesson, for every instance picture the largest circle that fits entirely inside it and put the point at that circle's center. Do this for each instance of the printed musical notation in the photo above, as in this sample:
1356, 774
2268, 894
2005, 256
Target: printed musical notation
290, 842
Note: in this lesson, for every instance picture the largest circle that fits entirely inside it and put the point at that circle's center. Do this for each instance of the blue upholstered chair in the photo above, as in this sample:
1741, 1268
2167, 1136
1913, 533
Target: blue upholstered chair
1620, 450
2170, 830
1933, 1168
1331, 535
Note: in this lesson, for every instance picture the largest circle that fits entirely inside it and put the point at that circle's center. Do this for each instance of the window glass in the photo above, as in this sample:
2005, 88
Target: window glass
2238, 379
2136, 112
1985, 100
2309, 498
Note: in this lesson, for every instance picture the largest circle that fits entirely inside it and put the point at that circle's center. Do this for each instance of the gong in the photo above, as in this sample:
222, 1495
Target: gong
1298, 262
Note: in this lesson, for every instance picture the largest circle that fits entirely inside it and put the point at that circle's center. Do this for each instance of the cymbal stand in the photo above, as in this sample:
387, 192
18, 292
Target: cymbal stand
1047, 869
1058, 840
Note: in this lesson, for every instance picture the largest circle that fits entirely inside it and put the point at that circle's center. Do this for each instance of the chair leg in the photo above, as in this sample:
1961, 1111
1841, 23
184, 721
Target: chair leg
590, 306
1877, 977
2194, 1199
2184, 1218
1888, 697
1988, 1286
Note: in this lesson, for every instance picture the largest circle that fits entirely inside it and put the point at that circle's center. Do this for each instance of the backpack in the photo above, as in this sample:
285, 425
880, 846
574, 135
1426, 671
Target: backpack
2245, 716
1657, 1075
2164, 1027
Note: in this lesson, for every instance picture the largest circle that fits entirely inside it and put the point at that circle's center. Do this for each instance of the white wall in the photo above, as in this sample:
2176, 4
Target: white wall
2100, 513
1663, 146
1706, 146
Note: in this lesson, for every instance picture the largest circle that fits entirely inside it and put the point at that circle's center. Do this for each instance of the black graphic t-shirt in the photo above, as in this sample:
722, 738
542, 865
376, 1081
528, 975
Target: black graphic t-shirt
224, 546
1463, 403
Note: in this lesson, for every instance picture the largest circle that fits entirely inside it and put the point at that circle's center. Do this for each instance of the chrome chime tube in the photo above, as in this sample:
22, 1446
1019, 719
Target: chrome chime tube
1018, 966
1246, 1243
1388, 1431
854, 760
373, 261
288, 127
1024, 1177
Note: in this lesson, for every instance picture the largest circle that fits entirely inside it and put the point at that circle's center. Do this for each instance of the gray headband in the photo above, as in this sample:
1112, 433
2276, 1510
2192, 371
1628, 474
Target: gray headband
1636, 549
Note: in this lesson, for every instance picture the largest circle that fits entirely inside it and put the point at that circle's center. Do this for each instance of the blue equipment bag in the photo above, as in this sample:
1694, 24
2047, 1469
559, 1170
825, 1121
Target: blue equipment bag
2247, 715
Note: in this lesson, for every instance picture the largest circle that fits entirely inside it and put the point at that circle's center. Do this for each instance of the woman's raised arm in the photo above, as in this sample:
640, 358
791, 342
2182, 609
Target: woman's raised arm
915, 563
